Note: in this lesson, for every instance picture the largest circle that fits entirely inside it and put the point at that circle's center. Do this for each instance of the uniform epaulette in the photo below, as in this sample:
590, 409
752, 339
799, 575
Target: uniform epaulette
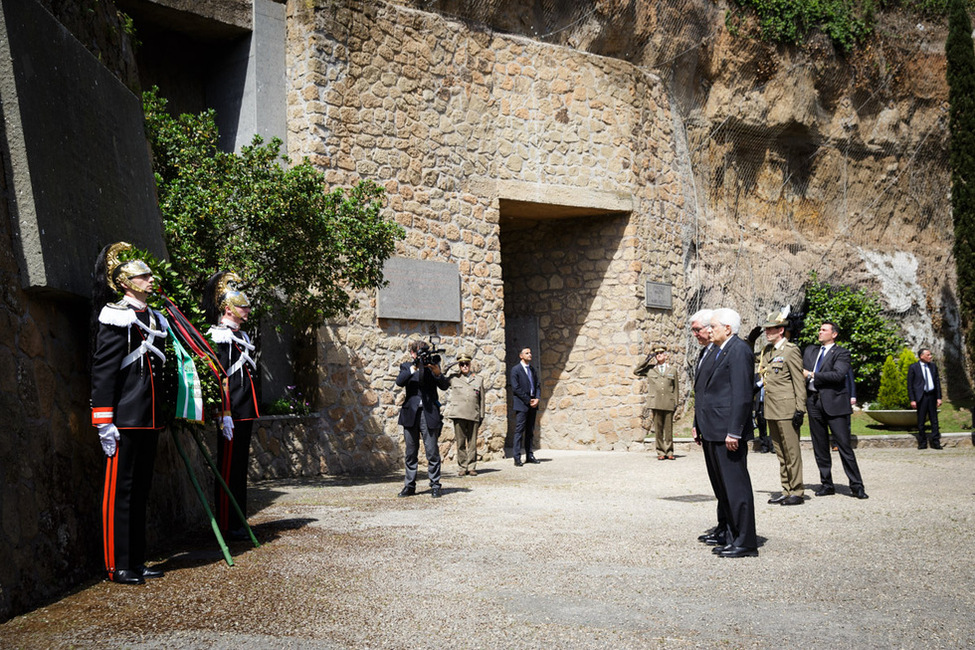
116, 313
220, 334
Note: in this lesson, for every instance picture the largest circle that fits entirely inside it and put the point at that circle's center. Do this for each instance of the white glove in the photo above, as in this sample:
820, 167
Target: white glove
107, 435
227, 428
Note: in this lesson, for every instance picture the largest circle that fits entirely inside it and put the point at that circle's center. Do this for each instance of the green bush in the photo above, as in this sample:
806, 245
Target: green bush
302, 250
893, 382
864, 330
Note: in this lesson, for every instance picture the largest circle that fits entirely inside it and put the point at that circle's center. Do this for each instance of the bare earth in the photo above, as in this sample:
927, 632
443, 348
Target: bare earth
586, 550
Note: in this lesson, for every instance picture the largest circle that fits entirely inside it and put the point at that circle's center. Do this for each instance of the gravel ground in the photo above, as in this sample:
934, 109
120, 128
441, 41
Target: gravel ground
586, 550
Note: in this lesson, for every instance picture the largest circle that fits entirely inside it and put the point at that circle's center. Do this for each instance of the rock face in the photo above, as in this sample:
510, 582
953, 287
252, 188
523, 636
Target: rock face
795, 159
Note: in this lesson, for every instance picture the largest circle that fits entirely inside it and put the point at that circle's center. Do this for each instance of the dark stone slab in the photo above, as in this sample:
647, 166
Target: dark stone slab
420, 290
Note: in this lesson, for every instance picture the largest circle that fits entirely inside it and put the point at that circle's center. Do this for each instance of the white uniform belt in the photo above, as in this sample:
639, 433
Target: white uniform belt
145, 346
244, 354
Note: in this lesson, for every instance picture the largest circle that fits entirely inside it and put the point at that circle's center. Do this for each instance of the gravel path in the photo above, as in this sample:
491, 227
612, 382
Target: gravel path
586, 550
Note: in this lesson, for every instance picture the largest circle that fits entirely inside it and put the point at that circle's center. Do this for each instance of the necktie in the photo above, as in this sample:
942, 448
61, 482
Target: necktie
704, 355
531, 382
819, 361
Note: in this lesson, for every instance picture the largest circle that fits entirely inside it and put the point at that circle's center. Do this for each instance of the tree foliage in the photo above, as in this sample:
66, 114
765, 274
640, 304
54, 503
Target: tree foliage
864, 330
893, 381
961, 157
302, 251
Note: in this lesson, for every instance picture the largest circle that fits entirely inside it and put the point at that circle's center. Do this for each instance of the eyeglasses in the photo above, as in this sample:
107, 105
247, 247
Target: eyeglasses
700, 329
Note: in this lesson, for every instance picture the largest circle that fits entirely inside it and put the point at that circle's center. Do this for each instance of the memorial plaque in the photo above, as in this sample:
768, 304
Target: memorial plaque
659, 295
420, 290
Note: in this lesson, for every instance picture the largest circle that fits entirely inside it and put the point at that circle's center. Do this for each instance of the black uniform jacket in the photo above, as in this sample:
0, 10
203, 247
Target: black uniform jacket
236, 354
126, 374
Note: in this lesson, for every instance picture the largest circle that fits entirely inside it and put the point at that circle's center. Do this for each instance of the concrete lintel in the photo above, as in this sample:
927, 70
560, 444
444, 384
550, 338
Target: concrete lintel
203, 19
540, 200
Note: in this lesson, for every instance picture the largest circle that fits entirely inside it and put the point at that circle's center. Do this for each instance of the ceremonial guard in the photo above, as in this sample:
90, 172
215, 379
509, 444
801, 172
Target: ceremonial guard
661, 397
780, 371
126, 398
465, 406
228, 308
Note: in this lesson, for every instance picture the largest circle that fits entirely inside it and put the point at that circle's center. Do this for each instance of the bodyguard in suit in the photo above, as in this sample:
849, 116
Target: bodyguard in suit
722, 418
924, 391
701, 330
780, 369
525, 389
420, 416
826, 367
465, 406
662, 384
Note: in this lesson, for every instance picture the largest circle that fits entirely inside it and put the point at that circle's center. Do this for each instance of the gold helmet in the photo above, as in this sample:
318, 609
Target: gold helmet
119, 273
222, 291
228, 293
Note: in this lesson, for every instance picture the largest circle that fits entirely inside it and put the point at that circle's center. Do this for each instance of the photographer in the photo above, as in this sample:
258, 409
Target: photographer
420, 414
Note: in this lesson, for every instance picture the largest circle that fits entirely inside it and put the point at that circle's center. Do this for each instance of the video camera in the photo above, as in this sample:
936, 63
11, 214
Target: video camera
429, 355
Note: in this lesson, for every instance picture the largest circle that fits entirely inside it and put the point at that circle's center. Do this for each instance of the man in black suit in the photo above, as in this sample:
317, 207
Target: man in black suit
420, 415
924, 391
701, 329
525, 389
722, 418
826, 367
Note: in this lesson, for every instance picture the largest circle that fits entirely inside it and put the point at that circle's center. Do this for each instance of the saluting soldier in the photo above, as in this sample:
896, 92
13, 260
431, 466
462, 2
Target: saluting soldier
661, 398
780, 370
126, 398
465, 406
228, 308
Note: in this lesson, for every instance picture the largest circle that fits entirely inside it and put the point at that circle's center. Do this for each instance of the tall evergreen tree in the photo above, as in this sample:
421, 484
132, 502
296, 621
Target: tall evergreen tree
961, 98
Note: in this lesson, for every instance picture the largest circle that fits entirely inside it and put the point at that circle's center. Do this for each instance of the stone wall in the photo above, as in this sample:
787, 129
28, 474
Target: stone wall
458, 122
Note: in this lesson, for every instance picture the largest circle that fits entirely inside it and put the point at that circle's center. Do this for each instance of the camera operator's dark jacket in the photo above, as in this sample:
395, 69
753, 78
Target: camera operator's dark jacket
421, 383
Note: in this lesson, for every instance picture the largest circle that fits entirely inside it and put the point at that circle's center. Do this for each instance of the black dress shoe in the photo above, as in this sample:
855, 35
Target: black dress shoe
518, 462
922, 446
237, 534
436, 493
127, 577
860, 494
715, 540
707, 534
778, 499
532, 460
936, 445
717, 550
792, 501
407, 492
738, 551
150, 573
824, 491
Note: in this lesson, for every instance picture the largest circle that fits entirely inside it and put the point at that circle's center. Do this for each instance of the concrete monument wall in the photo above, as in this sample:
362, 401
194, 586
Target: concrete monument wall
476, 137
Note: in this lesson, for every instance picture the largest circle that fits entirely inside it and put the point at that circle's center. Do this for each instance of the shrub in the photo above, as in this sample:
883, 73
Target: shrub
893, 382
864, 331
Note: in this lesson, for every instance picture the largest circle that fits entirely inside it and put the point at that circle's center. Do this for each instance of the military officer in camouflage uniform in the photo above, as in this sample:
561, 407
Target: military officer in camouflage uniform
465, 406
780, 370
662, 398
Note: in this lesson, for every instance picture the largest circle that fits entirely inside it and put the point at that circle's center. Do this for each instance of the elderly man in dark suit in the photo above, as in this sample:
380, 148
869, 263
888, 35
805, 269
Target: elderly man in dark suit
722, 418
525, 388
924, 391
420, 415
826, 367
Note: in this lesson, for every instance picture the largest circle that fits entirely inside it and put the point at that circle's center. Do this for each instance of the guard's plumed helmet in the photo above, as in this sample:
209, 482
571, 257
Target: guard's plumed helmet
223, 290
119, 272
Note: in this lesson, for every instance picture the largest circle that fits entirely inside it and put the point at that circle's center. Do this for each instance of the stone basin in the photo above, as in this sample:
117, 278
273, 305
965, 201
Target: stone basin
895, 419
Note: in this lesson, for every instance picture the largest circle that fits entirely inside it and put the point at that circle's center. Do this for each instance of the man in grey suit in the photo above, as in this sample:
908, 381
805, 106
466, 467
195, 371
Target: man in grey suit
924, 391
826, 367
722, 419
